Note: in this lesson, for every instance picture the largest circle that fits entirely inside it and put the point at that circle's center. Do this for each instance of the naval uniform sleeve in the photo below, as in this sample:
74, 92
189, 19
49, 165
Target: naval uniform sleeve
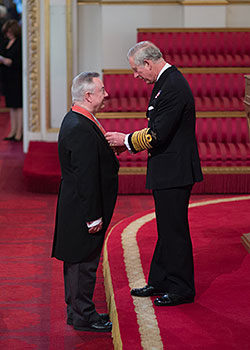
141, 140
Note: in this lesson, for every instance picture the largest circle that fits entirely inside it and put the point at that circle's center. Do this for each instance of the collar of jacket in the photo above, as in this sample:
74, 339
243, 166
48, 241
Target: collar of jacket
87, 114
165, 74
159, 83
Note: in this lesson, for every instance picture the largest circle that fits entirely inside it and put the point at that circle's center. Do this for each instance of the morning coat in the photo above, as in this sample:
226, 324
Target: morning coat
88, 188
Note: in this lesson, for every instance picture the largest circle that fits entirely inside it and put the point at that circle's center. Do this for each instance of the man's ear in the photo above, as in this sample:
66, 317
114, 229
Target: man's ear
88, 96
148, 64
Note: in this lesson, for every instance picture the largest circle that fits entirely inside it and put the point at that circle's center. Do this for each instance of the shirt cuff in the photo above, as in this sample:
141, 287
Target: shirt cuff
94, 223
126, 143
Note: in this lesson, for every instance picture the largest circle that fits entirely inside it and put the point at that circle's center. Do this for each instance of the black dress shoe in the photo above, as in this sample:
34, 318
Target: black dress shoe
97, 326
146, 291
173, 299
10, 138
104, 317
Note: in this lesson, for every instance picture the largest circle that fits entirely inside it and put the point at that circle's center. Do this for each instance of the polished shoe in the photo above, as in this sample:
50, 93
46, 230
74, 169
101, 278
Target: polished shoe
146, 291
9, 138
173, 299
97, 326
104, 317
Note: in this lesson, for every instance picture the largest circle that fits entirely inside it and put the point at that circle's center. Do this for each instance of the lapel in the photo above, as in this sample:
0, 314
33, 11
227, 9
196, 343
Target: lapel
97, 129
157, 87
87, 114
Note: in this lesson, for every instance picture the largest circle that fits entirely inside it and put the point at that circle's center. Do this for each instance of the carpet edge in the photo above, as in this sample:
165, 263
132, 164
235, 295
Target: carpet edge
109, 291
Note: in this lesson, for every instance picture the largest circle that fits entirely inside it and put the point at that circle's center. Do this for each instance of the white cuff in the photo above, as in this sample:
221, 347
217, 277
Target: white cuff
94, 223
126, 143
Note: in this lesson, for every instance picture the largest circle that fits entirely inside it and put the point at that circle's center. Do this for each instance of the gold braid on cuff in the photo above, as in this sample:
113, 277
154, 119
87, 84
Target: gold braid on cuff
141, 140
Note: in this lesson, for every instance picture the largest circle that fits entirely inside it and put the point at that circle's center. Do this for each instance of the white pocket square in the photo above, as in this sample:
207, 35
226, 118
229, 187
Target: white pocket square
150, 108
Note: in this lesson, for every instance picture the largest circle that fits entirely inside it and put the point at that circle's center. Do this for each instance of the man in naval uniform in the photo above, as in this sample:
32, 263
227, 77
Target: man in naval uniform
173, 167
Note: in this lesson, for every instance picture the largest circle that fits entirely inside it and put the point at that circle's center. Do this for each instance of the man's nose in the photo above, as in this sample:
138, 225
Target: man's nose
106, 94
136, 75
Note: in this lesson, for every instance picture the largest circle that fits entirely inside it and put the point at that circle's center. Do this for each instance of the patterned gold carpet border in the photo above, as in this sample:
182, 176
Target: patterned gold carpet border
110, 296
148, 325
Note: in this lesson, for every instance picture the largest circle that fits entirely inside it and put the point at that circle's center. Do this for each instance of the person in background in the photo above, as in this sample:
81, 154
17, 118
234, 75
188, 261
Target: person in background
11, 7
86, 200
11, 61
3, 19
172, 169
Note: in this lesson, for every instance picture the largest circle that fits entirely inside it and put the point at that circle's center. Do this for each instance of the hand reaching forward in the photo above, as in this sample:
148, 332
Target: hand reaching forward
115, 139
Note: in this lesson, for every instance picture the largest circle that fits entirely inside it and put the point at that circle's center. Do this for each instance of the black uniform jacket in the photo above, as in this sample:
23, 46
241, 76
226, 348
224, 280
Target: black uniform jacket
173, 161
88, 188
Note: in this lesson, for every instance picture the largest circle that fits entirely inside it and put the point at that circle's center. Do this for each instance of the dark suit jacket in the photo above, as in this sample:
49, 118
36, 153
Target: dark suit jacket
88, 188
174, 160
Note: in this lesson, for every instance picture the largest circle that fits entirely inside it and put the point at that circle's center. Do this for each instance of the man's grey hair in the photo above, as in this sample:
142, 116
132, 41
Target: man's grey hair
144, 50
82, 83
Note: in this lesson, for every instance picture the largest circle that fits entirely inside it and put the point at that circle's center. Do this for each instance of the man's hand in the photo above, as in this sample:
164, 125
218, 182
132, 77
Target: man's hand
95, 228
115, 139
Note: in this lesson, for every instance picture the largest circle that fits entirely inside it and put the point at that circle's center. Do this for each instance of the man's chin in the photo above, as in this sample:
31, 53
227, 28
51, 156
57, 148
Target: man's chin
101, 107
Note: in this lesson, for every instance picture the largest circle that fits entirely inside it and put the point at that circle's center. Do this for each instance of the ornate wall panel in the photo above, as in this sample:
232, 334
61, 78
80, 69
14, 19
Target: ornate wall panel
33, 66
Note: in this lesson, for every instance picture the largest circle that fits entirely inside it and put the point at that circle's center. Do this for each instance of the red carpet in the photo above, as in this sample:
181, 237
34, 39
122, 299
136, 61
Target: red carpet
220, 317
33, 313
32, 304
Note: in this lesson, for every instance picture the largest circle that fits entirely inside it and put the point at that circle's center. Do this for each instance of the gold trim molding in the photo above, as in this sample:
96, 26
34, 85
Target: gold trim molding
143, 2
204, 2
69, 50
238, 2
185, 30
141, 115
212, 170
164, 2
47, 61
121, 115
33, 64
190, 70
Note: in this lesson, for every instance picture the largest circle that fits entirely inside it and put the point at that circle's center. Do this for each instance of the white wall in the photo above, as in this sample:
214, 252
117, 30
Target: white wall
238, 16
205, 16
58, 64
102, 35
89, 18
107, 47
106, 32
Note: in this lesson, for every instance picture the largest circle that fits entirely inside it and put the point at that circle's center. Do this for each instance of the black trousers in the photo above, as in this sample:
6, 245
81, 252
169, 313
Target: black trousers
79, 281
172, 267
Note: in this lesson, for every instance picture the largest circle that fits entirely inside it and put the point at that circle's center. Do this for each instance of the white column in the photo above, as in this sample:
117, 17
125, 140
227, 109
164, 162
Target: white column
48, 66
